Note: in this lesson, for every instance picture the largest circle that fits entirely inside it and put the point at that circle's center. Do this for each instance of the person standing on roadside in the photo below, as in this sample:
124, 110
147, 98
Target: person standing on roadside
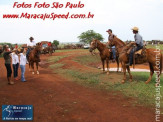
23, 61
13, 57
7, 59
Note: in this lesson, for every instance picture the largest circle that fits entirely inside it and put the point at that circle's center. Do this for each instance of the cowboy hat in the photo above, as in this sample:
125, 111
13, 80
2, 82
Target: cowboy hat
31, 38
135, 28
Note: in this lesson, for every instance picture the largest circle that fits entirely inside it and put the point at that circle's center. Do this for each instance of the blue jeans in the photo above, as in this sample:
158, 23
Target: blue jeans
132, 53
114, 53
22, 72
27, 54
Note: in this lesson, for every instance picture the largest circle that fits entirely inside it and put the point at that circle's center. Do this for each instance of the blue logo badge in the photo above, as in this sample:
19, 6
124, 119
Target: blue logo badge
17, 112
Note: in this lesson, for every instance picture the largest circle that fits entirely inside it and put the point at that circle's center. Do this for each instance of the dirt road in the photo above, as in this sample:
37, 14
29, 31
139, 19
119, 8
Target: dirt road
56, 99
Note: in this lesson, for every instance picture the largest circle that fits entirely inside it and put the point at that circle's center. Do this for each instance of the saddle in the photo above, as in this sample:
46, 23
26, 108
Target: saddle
139, 57
139, 52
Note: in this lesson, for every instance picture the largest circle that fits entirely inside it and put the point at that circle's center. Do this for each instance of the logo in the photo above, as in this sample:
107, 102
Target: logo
17, 112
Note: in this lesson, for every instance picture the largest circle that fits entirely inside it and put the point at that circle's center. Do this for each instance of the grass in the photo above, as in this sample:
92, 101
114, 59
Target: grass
72, 50
56, 66
144, 94
87, 59
154, 46
54, 59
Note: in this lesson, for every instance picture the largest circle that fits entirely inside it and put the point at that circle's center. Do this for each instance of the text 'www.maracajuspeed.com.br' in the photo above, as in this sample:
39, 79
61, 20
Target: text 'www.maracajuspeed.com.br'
45, 16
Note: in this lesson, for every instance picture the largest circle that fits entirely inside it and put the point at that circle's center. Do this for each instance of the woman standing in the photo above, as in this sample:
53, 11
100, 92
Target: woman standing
7, 58
23, 61
15, 61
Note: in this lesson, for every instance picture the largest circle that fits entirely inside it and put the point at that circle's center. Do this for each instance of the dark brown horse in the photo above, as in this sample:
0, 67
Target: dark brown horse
34, 58
151, 56
104, 52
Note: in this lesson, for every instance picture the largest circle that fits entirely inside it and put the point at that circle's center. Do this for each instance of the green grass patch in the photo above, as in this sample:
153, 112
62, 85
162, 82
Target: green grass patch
145, 93
87, 59
72, 50
154, 46
54, 59
56, 66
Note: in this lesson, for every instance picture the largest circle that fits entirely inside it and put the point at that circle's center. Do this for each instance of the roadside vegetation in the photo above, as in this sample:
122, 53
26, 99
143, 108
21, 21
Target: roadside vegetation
144, 94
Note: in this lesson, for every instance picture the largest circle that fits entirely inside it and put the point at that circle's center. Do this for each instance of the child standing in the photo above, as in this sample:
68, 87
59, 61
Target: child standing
23, 62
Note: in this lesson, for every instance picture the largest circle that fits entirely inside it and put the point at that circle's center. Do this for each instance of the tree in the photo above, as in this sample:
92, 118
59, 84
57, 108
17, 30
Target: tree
86, 37
56, 43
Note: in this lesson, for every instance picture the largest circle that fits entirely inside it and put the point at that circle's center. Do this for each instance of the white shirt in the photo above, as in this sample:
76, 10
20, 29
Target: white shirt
14, 60
23, 59
31, 44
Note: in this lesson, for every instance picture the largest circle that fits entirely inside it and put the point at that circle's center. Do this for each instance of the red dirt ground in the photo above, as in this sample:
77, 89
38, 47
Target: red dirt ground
56, 99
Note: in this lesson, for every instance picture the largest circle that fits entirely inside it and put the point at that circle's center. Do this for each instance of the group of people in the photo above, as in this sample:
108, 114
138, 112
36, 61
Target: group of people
138, 41
12, 57
8, 55
17, 59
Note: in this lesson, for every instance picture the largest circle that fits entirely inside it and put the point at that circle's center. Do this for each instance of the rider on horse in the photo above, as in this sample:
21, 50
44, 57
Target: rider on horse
30, 46
110, 38
139, 45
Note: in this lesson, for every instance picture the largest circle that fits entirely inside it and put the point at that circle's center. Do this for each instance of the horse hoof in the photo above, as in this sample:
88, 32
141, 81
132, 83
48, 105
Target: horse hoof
130, 80
38, 73
123, 81
33, 73
146, 82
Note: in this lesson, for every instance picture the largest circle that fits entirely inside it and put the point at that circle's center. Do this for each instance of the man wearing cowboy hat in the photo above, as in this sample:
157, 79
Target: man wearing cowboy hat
139, 44
110, 38
30, 45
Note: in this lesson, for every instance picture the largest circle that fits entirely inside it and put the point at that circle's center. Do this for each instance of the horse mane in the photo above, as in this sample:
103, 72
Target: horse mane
120, 41
100, 42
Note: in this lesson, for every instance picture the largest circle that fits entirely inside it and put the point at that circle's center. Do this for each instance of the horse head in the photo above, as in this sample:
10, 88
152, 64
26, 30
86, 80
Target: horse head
38, 48
93, 45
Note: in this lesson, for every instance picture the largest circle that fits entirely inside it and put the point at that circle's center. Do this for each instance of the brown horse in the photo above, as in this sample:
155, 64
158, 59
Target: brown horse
1, 49
34, 58
104, 52
151, 57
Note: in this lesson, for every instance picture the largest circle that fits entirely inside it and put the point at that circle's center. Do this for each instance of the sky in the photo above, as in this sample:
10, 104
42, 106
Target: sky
118, 15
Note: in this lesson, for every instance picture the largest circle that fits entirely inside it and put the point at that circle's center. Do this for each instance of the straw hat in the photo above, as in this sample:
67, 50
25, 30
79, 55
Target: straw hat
135, 28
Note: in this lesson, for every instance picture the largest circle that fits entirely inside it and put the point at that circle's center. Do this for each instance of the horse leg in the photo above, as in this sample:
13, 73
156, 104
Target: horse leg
151, 73
121, 67
37, 68
29, 66
128, 69
107, 64
124, 72
117, 60
32, 65
103, 65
